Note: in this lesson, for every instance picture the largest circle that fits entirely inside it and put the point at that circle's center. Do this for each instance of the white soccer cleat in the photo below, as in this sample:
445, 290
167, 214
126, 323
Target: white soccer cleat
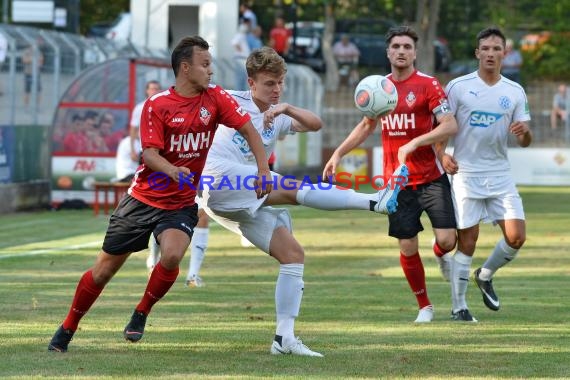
296, 348
388, 196
195, 282
425, 315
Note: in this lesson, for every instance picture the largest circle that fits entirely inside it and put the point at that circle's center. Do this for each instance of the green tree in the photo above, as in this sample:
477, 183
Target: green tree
92, 11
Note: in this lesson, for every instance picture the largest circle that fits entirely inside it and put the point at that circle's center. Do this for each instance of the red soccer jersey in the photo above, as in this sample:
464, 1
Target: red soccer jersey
418, 96
182, 129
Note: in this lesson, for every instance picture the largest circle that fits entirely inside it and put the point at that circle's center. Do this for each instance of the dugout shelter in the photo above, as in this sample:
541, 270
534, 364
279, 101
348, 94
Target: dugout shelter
92, 116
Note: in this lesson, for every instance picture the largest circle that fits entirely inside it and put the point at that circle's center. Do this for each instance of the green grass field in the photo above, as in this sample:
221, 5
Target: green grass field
357, 308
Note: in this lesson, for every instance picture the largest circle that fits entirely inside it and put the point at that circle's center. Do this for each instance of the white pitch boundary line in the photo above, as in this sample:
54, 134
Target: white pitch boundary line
51, 250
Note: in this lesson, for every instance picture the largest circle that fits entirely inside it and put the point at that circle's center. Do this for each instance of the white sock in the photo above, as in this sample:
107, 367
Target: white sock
153, 253
334, 199
198, 247
288, 295
502, 255
460, 267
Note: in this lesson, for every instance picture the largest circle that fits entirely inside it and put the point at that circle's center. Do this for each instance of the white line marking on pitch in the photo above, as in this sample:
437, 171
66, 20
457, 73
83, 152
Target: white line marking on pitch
51, 250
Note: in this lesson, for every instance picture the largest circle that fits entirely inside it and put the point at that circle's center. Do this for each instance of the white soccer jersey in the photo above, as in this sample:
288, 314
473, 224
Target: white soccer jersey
484, 114
229, 144
230, 160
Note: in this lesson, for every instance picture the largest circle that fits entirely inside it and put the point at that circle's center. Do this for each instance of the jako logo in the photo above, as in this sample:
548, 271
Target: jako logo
483, 119
177, 120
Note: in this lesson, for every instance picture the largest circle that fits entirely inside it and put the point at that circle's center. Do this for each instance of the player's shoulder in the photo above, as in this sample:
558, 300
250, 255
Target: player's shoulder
462, 80
158, 98
511, 85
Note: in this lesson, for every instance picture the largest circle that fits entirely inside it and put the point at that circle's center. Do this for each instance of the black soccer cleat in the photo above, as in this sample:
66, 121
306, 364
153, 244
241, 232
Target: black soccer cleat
60, 340
490, 299
135, 328
463, 316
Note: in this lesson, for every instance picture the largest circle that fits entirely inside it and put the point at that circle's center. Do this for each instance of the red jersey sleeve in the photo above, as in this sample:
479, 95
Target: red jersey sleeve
151, 127
436, 95
231, 114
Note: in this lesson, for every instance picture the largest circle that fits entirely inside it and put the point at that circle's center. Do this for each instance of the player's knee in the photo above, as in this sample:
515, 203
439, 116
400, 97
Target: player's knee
516, 241
447, 244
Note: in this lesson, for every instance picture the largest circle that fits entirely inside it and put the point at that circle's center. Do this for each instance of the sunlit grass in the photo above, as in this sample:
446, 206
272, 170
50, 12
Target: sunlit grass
357, 308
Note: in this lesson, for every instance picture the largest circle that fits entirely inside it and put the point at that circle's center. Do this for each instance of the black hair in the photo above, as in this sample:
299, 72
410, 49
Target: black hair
185, 49
488, 32
402, 30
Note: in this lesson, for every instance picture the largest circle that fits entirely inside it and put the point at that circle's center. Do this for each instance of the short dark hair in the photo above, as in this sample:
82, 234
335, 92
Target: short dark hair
185, 49
488, 32
402, 30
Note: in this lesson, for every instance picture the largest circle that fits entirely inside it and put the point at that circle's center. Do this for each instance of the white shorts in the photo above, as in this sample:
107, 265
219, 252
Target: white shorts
486, 199
257, 228
231, 201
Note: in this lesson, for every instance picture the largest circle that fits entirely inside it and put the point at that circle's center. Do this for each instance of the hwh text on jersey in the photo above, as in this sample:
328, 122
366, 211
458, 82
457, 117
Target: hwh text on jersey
398, 121
190, 141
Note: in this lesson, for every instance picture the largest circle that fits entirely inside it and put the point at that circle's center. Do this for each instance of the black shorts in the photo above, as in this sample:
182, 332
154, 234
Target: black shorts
434, 198
133, 222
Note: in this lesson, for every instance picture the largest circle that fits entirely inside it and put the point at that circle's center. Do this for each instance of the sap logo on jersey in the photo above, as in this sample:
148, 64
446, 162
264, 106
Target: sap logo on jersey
190, 141
483, 119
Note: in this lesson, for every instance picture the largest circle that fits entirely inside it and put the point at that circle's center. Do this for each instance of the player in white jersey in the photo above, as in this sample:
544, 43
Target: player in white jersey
488, 108
228, 172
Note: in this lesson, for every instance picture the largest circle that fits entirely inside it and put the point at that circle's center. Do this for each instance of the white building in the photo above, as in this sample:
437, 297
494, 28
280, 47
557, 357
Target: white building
159, 24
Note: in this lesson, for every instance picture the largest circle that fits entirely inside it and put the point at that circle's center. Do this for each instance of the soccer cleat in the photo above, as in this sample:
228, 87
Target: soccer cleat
463, 316
444, 263
195, 282
135, 328
425, 315
388, 196
490, 299
296, 348
60, 340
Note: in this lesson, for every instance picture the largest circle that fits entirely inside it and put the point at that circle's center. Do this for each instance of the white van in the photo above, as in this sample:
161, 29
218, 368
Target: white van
120, 29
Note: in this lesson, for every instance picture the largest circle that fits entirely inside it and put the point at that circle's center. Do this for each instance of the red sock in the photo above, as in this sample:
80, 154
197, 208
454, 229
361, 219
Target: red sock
85, 295
414, 271
438, 250
160, 281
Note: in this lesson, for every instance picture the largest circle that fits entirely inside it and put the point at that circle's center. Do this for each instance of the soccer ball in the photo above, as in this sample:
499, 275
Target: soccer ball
375, 96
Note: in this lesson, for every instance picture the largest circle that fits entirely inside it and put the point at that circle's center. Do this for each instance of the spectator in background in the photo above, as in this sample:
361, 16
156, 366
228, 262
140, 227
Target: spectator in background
279, 37
241, 52
28, 62
106, 125
559, 107
246, 13
347, 54
95, 140
125, 166
512, 62
254, 38
152, 88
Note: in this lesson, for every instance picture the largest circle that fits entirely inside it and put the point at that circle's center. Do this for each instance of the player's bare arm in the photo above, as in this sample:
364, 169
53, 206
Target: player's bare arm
448, 163
522, 132
263, 184
156, 162
447, 127
303, 120
360, 133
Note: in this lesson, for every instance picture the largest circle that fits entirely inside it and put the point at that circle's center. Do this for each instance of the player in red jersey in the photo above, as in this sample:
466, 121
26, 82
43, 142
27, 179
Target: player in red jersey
408, 134
177, 129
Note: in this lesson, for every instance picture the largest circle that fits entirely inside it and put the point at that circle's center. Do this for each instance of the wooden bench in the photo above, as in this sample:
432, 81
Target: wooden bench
117, 188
